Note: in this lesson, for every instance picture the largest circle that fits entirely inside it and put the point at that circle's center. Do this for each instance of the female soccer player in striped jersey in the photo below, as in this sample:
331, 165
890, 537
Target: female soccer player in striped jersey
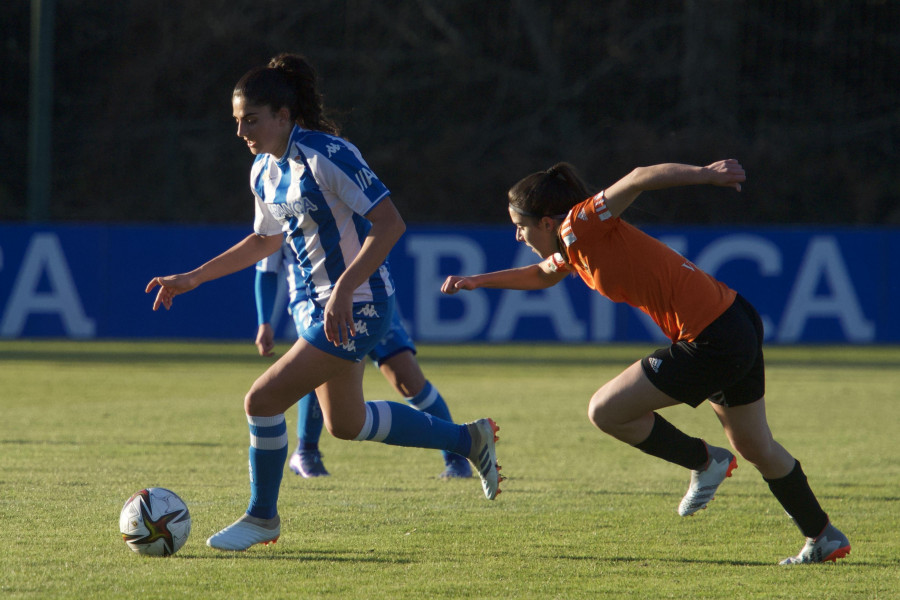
395, 356
716, 350
315, 188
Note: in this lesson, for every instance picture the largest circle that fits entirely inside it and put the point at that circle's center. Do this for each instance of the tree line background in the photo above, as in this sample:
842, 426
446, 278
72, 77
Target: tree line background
453, 101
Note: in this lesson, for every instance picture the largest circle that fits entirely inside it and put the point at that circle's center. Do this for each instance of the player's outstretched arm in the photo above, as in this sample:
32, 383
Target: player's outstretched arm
245, 253
532, 277
169, 287
620, 195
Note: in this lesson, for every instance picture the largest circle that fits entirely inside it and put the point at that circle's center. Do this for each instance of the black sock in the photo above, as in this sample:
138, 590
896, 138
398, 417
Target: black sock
671, 444
795, 495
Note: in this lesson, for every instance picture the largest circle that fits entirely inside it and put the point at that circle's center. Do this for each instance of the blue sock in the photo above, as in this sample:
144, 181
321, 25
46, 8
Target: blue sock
309, 422
268, 451
429, 400
400, 425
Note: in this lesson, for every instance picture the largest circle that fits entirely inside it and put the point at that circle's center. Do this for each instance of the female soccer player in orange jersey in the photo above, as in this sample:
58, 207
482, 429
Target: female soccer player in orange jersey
716, 350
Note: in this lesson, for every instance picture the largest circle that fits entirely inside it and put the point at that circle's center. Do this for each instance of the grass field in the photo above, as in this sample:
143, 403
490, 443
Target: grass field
581, 516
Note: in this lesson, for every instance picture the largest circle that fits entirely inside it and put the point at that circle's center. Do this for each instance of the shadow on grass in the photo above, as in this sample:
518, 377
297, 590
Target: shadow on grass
372, 557
847, 562
300, 554
672, 494
647, 561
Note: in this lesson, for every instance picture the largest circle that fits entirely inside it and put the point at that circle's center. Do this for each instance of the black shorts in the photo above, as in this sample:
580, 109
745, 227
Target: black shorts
724, 364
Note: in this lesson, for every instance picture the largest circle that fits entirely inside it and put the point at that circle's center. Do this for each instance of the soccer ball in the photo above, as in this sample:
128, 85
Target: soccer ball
155, 522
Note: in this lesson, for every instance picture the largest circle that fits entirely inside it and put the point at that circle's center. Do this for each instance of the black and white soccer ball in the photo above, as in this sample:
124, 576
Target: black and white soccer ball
155, 522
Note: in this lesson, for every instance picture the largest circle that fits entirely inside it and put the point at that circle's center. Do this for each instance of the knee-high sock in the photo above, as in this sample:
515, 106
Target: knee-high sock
429, 400
309, 422
400, 425
797, 498
671, 444
268, 451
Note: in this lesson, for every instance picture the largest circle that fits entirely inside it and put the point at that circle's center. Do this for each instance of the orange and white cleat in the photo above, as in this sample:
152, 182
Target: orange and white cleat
829, 545
705, 482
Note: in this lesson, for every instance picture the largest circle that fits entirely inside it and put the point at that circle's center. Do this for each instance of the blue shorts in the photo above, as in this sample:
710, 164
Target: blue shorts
395, 341
372, 319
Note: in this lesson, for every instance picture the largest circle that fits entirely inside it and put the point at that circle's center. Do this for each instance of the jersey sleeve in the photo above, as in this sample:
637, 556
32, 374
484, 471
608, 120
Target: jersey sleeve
265, 289
586, 222
340, 169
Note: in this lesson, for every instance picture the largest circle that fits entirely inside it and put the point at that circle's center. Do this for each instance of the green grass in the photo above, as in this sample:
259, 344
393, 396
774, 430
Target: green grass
581, 516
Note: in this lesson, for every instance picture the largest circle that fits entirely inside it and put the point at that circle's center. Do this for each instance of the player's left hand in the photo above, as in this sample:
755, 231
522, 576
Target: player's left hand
727, 173
265, 340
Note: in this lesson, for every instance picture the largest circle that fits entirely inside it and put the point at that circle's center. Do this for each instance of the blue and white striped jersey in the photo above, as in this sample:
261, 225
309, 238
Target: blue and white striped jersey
318, 194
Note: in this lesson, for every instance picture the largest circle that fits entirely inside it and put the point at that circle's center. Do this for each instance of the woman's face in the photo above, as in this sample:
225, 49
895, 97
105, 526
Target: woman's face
265, 131
537, 234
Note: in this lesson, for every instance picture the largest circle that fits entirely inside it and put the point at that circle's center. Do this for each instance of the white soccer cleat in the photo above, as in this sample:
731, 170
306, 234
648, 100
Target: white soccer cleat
705, 482
830, 545
483, 455
244, 533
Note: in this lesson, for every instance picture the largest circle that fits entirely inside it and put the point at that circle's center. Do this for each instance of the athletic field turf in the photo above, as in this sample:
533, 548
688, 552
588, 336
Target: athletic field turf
86, 424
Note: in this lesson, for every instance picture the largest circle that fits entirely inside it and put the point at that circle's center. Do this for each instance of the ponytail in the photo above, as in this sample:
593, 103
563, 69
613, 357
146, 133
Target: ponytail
309, 107
549, 193
290, 81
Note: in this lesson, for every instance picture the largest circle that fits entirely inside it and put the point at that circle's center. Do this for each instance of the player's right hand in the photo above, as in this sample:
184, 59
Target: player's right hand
169, 287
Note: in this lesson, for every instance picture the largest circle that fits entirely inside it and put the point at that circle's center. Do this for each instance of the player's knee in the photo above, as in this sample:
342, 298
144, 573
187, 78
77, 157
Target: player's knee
258, 404
251, 404
342, 431
600, 413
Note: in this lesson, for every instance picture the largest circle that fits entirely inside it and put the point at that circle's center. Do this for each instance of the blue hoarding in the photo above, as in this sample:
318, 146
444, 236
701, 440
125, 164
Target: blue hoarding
810, 285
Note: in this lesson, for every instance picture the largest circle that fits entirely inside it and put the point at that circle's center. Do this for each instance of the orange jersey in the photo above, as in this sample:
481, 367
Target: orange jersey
627, 265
